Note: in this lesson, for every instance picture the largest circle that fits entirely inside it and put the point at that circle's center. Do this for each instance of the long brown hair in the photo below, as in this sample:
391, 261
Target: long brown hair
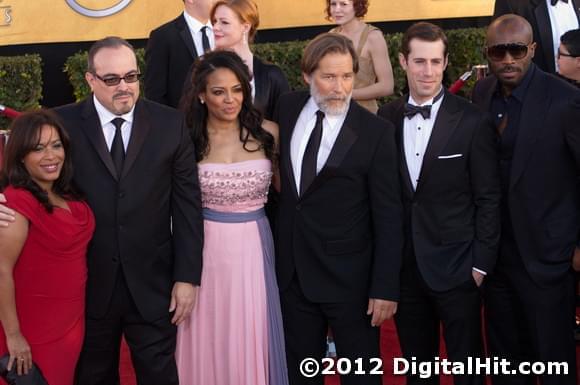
24, 137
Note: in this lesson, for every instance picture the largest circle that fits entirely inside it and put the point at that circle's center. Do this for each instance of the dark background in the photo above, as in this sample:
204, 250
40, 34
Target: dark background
57, 89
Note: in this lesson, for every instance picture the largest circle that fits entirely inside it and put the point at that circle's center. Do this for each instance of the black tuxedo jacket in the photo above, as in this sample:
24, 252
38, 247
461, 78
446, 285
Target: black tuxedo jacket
343, 237
452, 219
270, 83
544, 196
536, 13
169, 54
148, 220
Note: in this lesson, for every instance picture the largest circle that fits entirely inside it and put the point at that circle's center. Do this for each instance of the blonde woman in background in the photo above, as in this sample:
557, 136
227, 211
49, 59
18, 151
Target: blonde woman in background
375, 76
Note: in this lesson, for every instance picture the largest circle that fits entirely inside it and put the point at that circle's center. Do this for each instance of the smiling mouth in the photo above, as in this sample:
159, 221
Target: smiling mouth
50, 167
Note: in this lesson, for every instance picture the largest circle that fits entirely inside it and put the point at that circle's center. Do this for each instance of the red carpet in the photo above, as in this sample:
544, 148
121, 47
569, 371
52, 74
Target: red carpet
389, 348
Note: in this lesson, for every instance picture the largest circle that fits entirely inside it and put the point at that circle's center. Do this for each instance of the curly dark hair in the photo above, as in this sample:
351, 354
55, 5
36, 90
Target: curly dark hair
360, 8
196, 113
24, 137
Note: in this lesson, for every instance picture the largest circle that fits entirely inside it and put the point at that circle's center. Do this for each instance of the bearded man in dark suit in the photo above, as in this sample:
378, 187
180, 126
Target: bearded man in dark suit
530, 297
340, 225
134, 161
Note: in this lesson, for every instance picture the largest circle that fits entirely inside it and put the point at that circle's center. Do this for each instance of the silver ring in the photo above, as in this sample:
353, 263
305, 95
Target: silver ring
98, 12
21, 359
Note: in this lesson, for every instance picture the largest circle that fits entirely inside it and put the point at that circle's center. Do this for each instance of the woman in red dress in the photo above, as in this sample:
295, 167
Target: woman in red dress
42, 254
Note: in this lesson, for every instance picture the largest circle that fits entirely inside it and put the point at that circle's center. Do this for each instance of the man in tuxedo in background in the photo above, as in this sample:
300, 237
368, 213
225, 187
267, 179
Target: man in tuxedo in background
340, 225
173, 47
530, 296
451, 195
549, 19
569, 57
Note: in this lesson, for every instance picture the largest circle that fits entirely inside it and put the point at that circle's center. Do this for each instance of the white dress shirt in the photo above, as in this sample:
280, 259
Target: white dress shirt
106, 117
195, 27
331, 125
417, 132
563, 19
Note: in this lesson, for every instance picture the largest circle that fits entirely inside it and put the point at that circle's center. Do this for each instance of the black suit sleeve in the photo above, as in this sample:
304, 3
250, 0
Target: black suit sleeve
156, 72
187, 220
387, 215
485, 185
280, 86
572, 135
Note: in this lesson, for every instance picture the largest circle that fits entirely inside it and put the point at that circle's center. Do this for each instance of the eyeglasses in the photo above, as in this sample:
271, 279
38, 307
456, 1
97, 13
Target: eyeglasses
498, 52
560, 53
115, 80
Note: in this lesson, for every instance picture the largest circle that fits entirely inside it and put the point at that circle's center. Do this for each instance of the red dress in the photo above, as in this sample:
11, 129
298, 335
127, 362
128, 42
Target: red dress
50, 277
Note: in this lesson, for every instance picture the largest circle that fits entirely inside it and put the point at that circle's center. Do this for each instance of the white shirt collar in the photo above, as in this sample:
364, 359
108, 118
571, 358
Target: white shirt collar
194, 24
311, 107
428, 102
105, 116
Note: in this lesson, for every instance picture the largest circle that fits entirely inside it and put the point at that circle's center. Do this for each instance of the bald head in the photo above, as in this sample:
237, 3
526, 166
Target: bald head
508, 27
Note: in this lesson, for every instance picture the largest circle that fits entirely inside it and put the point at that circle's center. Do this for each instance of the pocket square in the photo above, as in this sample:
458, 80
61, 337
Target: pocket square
449, 156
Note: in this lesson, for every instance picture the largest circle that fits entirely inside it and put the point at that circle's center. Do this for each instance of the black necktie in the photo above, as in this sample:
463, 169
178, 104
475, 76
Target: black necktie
425, 111
554, 2
205, 40
117, 148
311, 154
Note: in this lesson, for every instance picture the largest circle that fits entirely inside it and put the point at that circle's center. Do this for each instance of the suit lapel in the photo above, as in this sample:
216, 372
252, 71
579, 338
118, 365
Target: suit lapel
529, 127
400, 138
260, 93
346, 138
576, 5
445, 124
294, 114
545, 31
94, 132
139, 131
185, 34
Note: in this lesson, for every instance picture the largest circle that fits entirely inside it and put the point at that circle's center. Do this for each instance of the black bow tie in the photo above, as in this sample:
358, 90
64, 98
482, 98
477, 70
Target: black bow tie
412, 110
425, 111
554, 2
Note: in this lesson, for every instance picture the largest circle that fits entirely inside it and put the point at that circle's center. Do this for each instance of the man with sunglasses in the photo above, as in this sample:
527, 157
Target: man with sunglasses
569, 57
135, 163
549, 20
530, 295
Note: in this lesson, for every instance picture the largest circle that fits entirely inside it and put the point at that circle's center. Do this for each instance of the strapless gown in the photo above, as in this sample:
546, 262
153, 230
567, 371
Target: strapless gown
234, 334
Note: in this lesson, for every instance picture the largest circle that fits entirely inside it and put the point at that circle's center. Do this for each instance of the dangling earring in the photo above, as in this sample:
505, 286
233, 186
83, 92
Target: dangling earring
201, 101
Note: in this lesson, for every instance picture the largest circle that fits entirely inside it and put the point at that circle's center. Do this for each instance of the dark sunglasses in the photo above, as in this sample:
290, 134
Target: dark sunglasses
115, 80
498, 52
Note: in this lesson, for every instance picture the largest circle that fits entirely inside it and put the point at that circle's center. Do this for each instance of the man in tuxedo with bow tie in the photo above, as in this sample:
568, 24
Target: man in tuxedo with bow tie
530, 297
339, 233
549, 19
172, 49
451, 197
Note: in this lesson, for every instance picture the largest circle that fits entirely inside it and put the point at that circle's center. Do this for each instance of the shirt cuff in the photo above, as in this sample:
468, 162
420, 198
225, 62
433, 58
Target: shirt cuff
479, 271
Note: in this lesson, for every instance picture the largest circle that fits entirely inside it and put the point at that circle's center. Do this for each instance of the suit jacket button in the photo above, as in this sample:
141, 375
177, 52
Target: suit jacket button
115, 260
298, 207
121, 195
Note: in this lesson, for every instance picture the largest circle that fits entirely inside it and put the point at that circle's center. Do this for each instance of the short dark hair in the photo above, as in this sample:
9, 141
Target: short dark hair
24, 137
423, 31
196, 113
107, 42
324, 44
360, 8
571, 40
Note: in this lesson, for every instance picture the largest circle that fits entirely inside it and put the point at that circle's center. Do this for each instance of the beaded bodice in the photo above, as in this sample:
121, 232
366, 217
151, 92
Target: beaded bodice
235, 187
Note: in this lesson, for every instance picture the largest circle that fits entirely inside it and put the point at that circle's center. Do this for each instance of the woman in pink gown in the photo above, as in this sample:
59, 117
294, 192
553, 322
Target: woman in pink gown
234, 334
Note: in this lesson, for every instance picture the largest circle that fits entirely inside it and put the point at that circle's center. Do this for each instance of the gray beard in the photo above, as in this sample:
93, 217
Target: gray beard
323, 102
